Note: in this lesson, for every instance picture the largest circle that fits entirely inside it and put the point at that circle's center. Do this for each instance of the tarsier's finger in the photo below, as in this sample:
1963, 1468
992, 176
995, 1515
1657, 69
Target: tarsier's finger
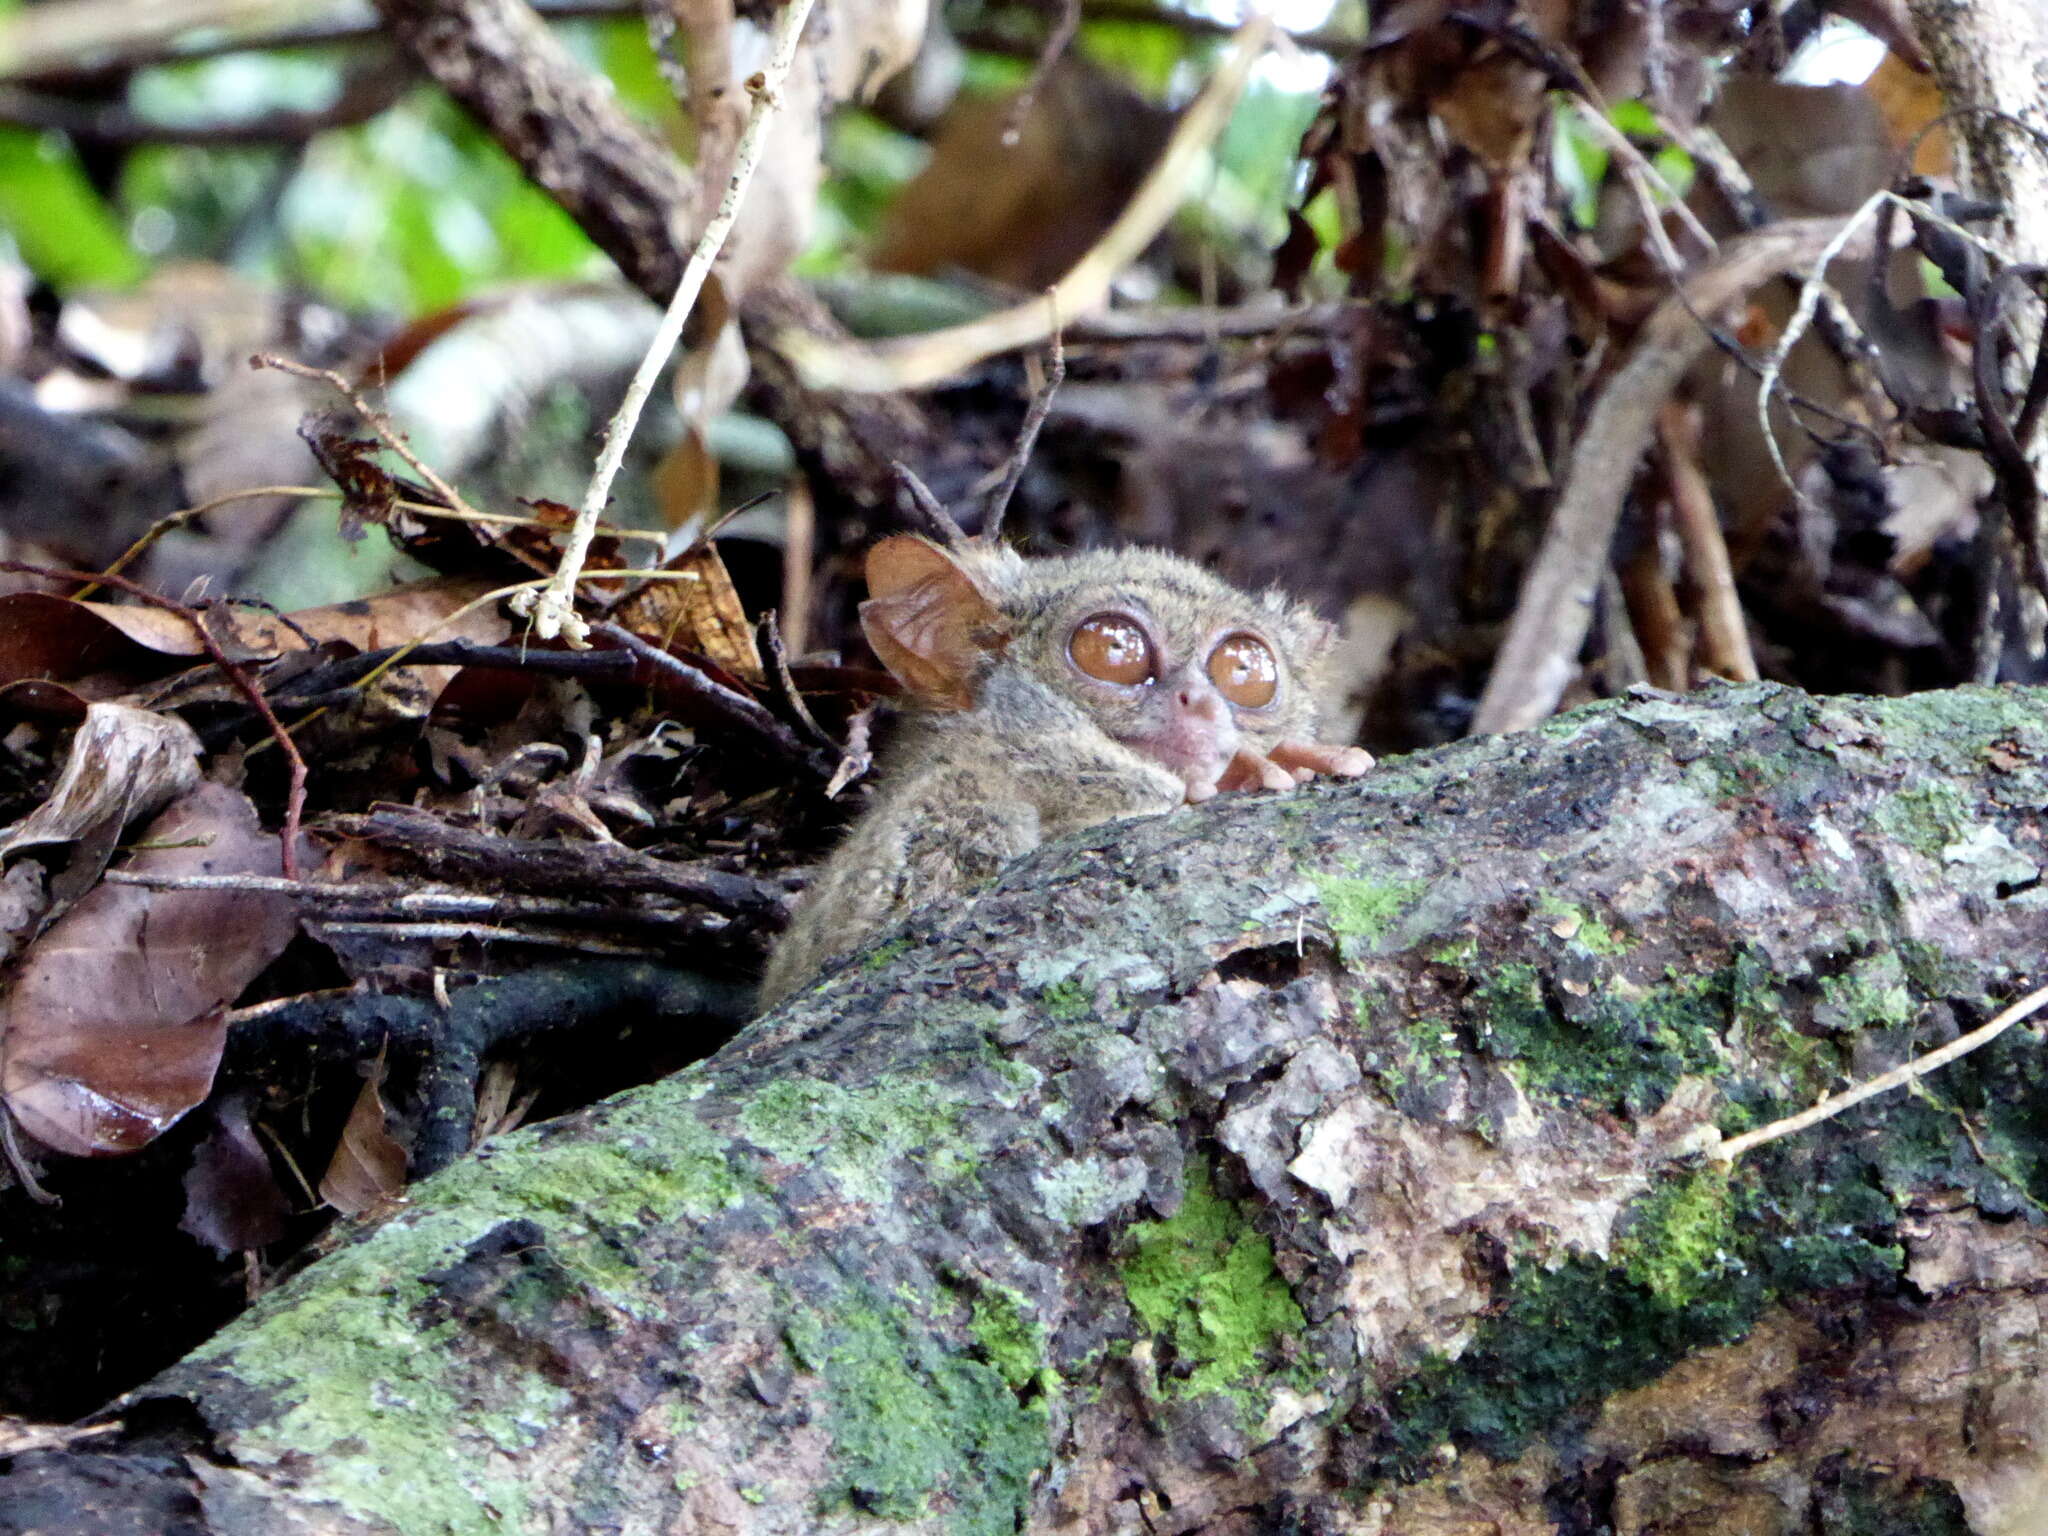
1248, 770
1344, 762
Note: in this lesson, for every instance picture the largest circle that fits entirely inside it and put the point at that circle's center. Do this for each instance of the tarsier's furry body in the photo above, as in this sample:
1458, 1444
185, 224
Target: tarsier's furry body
1046, 696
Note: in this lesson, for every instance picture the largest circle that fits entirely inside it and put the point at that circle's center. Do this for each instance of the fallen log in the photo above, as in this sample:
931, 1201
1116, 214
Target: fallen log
1341, 1161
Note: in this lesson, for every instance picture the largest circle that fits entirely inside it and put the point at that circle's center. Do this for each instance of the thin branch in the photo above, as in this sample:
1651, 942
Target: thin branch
1724, 635
387, 432
553, 609
17, 1161
1064, 26
394, 902
1556, 604
1027, 439
1802, 316
370, 89
1899, 1076
174, 520
737, 707
782, 686
915, 362
1642, 175
2002, 448
397, 656
928, 509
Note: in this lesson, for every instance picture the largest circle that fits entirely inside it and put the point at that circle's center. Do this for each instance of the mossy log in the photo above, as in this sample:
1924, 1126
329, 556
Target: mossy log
1324, 1163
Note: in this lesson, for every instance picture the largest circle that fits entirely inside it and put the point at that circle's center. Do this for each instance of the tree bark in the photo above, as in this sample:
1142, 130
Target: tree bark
627, 191
1327, 1162
1991, 60
564, 127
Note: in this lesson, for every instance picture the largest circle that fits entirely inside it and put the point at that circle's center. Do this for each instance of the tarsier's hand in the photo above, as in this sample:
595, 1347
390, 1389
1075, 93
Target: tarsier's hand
1289, 764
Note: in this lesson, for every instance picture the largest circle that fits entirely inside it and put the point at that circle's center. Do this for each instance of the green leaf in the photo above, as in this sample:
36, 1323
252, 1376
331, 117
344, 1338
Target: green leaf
63, 228
1580, 162
1143, 52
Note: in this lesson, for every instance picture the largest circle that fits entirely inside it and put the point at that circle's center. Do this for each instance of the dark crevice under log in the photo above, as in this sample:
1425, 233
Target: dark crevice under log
1326, 1162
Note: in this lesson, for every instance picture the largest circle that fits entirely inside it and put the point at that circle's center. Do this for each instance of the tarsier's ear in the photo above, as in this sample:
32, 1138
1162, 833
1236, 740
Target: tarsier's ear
1317, 636
928, 619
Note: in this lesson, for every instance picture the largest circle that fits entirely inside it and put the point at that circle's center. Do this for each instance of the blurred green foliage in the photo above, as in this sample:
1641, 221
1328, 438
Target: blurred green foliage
411, 211
59, 224
417, 209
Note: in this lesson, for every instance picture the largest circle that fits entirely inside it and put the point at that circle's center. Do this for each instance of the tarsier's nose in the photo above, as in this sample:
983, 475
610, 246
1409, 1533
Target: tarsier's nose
1202, 702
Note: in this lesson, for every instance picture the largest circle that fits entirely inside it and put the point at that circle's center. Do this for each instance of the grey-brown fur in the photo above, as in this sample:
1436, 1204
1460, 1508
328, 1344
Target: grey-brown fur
1041, 750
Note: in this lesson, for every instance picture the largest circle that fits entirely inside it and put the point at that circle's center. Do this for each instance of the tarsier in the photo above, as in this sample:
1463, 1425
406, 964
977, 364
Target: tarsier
1049, 695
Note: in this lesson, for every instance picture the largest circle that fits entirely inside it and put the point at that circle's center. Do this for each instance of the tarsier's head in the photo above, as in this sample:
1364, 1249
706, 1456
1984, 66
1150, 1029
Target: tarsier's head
1212, 683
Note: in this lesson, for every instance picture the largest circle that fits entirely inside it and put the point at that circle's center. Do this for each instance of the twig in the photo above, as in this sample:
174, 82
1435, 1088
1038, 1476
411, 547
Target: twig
375, 420
1815, 286
1723, 633
295, 795
469, 856
928, 508
553, 608
171, 521
915, 362
487, 933
1556, 603
707, 81
1194, 323
736, 707
174, 520
1064, 26
799, 544
1027, 438
17, 1161
366, 91
397, 656
1802, 316
1644, 174
1919, 1067
344, 676
2008, 458
768, 637
402, 901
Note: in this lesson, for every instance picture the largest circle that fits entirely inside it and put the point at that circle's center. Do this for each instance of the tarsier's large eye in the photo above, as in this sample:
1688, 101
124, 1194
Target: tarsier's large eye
1112, 649
1244, 670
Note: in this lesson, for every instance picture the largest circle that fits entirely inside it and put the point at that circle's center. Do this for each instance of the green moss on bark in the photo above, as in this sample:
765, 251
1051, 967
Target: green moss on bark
1697, 1263
1362, 912
917, 1426
1204, 1285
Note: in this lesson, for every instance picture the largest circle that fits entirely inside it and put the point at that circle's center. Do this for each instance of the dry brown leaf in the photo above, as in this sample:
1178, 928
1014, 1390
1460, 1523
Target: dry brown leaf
368, 1167
1910, 100
46, 636
404, 614
43, 636
1023, 213
1493, 107
686, 480
115, 1024
232, 1202
123, 763
702, 614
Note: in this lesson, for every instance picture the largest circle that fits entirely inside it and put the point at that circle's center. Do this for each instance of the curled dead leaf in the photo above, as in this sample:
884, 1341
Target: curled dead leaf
701, 613
123, 763
368, 1166
114, 1027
